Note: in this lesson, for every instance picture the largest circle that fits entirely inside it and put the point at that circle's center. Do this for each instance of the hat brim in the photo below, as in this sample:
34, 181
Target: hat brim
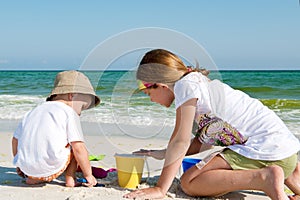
96, 101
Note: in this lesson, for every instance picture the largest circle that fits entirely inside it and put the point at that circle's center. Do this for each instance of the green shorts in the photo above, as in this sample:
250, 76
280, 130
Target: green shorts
237, 161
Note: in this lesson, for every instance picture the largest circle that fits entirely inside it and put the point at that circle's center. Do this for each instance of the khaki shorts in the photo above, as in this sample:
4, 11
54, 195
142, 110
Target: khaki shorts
54, 176
237, 161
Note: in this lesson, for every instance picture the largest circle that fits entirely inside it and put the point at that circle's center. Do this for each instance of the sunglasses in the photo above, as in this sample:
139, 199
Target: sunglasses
150, 85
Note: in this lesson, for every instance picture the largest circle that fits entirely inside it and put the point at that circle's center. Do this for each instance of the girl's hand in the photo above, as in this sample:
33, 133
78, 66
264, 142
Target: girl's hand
157, 154
146, 193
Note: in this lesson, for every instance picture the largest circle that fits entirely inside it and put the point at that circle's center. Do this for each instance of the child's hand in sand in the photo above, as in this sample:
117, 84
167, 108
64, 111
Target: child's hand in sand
157, 154
91, 181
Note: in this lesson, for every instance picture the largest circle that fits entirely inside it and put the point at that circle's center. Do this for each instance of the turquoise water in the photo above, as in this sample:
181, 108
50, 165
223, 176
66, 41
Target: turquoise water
20, 91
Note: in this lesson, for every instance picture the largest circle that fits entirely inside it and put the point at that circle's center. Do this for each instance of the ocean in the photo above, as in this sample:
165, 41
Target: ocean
20, 91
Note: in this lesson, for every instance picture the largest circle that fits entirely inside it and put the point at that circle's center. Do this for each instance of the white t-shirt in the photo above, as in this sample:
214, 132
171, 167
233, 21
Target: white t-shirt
268, 137
43, 136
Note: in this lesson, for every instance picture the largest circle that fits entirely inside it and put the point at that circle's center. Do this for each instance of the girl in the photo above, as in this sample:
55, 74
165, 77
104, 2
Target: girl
261, 152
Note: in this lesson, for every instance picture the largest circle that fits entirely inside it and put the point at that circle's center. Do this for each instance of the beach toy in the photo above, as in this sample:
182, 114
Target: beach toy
98, 172
96, 157
189, 162
83, 180
129, 169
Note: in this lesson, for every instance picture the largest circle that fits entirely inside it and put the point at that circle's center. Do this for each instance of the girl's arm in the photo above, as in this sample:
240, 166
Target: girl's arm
157, 154
177, 148
178, 145
195, 147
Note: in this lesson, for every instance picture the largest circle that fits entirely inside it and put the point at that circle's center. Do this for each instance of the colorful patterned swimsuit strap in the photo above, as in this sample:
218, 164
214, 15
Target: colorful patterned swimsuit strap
215, 131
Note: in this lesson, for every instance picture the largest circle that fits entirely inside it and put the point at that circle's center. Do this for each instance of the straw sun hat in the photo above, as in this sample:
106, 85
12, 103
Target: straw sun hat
73, 82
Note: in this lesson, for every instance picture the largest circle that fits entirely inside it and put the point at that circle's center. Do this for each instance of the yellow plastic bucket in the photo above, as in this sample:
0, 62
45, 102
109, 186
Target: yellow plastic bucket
130, 169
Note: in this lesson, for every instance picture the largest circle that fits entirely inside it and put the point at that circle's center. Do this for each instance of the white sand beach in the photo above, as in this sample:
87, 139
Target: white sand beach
13, 187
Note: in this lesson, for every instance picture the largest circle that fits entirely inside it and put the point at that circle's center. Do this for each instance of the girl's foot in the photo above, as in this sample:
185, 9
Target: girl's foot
293, 181
294, 197
274, 182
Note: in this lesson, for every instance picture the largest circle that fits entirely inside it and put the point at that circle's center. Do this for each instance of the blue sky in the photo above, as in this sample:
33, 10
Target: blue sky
256, 34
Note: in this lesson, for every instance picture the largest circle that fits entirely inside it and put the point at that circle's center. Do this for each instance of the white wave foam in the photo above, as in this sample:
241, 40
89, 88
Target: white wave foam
14, 107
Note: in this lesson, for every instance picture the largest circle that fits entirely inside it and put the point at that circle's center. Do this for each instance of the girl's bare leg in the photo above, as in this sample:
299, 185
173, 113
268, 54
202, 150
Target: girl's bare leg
70, 173
217, 178
293, 181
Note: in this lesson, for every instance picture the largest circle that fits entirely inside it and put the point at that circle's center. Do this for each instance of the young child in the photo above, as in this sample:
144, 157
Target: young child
49, 140
260, 153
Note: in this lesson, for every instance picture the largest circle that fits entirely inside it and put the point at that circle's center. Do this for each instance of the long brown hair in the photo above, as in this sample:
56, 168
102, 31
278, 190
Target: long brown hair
162, 66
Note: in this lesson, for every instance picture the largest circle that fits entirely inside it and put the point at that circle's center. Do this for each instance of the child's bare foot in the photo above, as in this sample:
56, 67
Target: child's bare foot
30, 181
273, 177
20, 173
71, 181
